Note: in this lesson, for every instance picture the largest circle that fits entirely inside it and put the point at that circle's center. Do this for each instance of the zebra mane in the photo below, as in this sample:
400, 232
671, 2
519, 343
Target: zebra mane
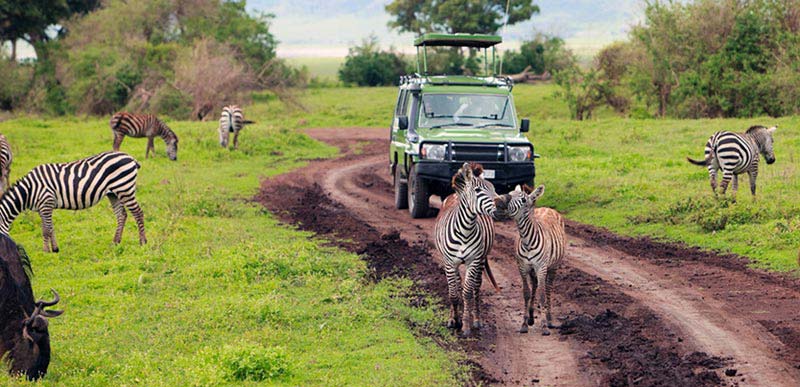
754, 129
458, 181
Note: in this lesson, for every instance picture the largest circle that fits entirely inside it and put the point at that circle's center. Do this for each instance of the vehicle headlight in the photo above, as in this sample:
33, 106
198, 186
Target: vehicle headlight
433, 151
519, 153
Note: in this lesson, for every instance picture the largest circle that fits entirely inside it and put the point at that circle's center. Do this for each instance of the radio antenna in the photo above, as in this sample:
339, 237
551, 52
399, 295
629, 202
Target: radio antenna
508, 2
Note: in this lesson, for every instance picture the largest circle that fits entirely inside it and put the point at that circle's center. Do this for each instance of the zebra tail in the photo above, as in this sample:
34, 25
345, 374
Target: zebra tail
491, 277
704, 162
118, 123
248, 122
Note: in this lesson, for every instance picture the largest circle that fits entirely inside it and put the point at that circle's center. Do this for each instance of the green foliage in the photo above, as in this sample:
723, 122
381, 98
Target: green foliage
715, 59
15, 80
256, 363
223, 291
467, 16
541, 53
367, 65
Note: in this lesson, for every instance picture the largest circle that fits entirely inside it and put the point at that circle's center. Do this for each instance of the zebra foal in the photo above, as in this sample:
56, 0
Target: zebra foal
231, 121
75, 186
5, 164
735, 154
143, 125
464, 234
540, 249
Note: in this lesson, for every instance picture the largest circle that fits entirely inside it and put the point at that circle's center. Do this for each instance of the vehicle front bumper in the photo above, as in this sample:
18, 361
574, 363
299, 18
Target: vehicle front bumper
505, 174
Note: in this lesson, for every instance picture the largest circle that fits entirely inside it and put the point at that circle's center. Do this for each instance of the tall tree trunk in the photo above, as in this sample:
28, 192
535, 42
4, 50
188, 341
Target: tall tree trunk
13, 50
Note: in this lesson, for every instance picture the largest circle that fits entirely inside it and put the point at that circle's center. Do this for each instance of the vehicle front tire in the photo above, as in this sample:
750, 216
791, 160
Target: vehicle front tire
417, 196
400, 190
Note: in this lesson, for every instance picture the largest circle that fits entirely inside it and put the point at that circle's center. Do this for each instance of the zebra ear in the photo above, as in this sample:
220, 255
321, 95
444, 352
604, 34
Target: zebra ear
466, 171
517, 188
536, 193
772, 129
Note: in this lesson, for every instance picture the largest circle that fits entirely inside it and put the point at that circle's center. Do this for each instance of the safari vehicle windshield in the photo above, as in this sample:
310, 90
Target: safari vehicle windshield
466, 110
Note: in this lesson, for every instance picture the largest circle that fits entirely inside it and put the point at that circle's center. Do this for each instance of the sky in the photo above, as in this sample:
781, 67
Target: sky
326, 28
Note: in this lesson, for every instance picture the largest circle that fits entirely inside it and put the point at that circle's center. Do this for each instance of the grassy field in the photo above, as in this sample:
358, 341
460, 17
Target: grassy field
326, 68
628, 175
222, 294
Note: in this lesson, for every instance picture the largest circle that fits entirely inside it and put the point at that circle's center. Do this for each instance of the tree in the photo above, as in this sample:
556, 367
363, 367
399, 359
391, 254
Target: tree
29, 20
467, 16
539, 53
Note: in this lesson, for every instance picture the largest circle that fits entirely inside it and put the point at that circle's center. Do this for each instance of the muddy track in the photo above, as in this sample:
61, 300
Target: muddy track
633, 311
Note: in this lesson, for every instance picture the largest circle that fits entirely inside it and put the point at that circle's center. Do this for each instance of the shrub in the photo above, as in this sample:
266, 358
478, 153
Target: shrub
367, 65
255, 363
15, 80
542, 53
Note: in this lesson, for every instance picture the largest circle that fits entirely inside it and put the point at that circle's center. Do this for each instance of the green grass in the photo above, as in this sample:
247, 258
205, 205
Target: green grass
222, 294
628, 175
326, 68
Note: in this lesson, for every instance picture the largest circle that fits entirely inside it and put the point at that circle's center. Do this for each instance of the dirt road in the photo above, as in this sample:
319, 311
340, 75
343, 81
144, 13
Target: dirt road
633, 311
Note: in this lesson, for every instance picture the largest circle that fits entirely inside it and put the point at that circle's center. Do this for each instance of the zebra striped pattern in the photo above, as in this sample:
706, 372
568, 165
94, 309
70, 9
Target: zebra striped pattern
143, 125
464, 234
737, 153
5, 164
231, 121
75, 186
540, 249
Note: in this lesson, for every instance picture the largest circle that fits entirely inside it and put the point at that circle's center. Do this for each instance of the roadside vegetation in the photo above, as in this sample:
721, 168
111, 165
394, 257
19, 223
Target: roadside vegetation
223, 294
629, 175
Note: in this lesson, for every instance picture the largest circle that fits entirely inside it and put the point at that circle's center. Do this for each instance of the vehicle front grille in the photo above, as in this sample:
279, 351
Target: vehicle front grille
477, 152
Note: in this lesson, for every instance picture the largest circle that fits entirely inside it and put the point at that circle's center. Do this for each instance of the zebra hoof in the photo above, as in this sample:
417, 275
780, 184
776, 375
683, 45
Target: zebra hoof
545, 332
524, 328
529, 321
477, 325
55, 250
465, 334
453, 324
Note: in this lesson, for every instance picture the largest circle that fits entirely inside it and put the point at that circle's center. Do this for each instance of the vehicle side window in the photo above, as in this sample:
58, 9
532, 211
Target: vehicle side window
402, 102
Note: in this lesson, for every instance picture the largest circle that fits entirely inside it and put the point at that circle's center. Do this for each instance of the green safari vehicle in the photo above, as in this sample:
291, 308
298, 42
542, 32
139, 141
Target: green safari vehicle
441, 121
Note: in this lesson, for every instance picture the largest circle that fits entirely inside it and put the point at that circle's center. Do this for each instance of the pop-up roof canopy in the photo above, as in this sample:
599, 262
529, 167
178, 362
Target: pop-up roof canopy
458, 40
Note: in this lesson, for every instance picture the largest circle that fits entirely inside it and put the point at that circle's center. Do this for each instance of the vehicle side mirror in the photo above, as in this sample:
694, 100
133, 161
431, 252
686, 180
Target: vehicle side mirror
402, 122
525, 125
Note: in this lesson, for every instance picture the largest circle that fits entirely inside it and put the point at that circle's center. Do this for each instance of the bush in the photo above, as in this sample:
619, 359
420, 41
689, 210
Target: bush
540, 53
367, 65
255, 363
15, 80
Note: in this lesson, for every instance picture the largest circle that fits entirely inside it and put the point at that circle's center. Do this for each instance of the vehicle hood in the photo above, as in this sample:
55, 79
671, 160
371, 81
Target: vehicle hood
471, 135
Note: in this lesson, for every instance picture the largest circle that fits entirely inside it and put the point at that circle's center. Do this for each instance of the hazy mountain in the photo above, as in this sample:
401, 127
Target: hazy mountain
327, 28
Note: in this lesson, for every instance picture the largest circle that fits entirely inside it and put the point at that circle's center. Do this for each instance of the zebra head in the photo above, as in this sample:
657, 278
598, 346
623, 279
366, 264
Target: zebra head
472, 189
519, 203
763, 139
172, 148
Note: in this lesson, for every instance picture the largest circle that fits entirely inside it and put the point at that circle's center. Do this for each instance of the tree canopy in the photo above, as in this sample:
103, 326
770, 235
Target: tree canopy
467, 16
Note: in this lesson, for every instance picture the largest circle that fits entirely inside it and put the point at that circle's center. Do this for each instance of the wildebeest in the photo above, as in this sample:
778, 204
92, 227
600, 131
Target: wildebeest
24, 339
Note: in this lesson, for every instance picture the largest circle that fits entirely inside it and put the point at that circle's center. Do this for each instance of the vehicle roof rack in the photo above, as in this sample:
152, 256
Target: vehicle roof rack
457, 80
476, 41
458, 40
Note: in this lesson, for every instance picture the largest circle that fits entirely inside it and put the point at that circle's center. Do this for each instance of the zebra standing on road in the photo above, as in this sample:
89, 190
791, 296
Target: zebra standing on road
231, 121
736, 153
464, 234
5, 164
143, 125
75, 186
540, 249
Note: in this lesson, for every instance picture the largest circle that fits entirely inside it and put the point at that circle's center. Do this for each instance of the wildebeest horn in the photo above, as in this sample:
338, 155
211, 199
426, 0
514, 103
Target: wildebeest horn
43, 304
25, 333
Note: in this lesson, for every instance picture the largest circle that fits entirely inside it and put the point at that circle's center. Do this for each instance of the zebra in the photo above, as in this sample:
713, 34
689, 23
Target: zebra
464, 234
540, 249
5, 164
737, 153
75, 185
231, 121
143, 125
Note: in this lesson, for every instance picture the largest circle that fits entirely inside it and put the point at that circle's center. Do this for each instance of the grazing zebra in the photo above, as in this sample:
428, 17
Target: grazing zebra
5, 164
231, 121
736, 153
540, 249
75, 186
143, 125
464, 233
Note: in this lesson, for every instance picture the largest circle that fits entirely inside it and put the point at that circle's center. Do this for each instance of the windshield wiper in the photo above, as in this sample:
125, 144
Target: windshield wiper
451, 124
494, 124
